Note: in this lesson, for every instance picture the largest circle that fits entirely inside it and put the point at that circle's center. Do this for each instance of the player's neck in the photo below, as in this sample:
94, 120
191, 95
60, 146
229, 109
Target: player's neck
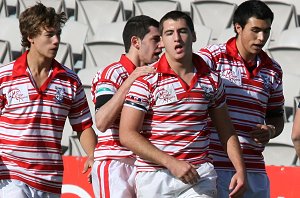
134, 58
38, 64
181, 66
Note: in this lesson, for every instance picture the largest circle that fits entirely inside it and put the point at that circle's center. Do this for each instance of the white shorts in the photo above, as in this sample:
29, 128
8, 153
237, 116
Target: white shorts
258, 184
163, 184
11, 188
114, 178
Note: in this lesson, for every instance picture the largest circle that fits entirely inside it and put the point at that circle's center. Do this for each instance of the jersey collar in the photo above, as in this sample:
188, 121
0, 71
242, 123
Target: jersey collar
201, 67
20, 66
127, 64
231, 48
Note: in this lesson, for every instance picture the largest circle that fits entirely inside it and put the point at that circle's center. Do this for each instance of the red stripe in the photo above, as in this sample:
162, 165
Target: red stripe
98, 173
106, 179
28, 163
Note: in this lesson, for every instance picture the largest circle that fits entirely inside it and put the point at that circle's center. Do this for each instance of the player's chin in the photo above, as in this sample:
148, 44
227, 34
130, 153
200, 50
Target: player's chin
52, 53
257, 48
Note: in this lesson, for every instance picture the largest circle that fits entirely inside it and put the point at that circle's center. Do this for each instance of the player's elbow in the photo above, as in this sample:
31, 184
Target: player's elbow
102, 127
101, 123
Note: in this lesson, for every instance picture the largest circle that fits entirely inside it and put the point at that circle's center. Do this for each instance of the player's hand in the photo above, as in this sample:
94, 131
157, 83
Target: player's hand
87, 165
141, 71
238, 185
184, 171
261, 134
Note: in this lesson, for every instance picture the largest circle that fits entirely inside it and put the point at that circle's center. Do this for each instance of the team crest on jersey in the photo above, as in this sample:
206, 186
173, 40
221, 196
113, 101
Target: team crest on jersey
59, 95
267, 83
18, 94
166, 95
208, 92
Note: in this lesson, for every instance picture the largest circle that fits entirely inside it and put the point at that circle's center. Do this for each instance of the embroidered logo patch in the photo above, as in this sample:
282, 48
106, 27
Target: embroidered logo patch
17, 94
166, 95
267, 83
59, 95
208, 92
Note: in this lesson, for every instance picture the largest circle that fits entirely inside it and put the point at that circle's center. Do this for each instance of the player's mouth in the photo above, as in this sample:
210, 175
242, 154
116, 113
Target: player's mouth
178, 48
258, 46
54, 49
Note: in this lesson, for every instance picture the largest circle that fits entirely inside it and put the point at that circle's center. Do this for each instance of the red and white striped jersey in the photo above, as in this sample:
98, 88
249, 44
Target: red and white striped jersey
32, 121
249, 96
176, 113
107, 82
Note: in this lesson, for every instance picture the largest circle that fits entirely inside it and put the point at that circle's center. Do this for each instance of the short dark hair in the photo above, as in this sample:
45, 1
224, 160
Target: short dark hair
175, 15
137, 26
252, 8
36, 17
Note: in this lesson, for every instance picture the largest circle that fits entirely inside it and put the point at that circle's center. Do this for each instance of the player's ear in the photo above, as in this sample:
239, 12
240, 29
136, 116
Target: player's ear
135, 42
161, 44
30, 39
238, 28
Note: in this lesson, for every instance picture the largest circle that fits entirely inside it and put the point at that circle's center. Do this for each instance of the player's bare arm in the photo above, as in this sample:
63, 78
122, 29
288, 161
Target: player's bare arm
231, 144
88, 141
296, 133
130, 137
108, 112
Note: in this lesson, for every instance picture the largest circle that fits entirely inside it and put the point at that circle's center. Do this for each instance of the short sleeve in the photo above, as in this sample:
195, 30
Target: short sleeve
139, 95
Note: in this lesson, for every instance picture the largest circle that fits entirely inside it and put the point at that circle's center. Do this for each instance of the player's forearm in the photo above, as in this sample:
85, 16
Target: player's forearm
130, 136
110, 111
228, 136
138, 144
278, 123
88, 141
222, 123
297, 147
235, 154
296, 133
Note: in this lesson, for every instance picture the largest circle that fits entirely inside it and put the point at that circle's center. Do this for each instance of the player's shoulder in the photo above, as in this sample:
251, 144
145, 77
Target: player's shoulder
213, 48
115, 67
6, 66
